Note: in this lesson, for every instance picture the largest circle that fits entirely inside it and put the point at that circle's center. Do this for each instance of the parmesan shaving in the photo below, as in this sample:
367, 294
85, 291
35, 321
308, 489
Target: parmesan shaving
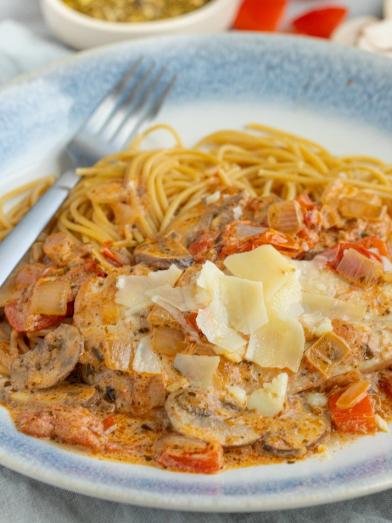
278, 344
236, 307
134, 292
198, 370
264, 264
269, 400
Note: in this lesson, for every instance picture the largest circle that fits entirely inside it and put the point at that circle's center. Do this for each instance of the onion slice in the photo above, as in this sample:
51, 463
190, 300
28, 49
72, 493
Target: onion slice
286, 217
355, 393
327, 353
50, 297
358, 268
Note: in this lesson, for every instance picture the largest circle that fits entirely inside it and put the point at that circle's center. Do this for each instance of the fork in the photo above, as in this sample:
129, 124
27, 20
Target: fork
136, 98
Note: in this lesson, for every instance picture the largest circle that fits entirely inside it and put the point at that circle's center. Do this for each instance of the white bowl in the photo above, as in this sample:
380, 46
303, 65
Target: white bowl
83, 32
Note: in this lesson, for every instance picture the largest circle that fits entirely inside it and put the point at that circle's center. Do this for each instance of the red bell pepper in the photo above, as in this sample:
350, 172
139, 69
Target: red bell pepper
260, 15
320, 22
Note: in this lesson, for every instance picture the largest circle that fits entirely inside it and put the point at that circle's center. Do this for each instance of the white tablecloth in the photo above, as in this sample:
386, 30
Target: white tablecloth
27, 501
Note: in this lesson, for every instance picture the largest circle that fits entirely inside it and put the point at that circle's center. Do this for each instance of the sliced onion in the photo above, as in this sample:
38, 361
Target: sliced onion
168, 341
50, 297
353, 394
327, 353
145, 360
285, 217
358, 268
357, 208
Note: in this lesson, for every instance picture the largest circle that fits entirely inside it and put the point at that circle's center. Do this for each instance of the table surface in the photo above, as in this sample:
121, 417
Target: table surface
23, 500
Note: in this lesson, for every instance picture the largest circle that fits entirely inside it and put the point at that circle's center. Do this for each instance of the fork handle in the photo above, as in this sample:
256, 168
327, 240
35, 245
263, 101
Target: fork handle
19, 240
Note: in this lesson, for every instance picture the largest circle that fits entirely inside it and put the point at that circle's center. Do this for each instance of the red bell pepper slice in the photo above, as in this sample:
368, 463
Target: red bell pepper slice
320, 22
260, 15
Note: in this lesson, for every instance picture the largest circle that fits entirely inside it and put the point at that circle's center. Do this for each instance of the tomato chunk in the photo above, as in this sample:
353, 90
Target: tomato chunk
189, 454
260, 15
320, 22
286, 244
358, 419
21, 320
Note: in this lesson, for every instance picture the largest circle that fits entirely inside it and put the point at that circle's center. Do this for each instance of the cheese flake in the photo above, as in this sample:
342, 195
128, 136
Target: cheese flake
264, 264
134, 292
278, 344
198, 370
269, 400
236, 307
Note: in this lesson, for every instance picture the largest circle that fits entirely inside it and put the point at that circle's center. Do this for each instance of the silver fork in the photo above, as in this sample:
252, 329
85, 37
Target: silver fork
135, 99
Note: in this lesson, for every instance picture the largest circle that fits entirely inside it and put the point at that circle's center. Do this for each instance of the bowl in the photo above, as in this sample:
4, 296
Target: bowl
82, 32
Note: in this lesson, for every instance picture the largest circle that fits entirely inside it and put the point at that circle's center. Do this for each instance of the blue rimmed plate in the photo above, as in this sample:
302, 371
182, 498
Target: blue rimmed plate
341, 98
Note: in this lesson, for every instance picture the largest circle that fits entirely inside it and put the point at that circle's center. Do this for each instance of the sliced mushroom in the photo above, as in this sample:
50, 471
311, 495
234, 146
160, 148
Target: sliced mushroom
207, 416
163, 252
50, 362
295, 432
188, 225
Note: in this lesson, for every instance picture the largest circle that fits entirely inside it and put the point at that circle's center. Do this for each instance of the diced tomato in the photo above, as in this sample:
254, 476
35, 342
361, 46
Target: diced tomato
286, 244
260, 15
358, 419
111, 256
204, 243
21, 320
320, 22
190, 455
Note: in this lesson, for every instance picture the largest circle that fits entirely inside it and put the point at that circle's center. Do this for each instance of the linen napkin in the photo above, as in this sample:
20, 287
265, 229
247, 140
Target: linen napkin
22, 51
23, 500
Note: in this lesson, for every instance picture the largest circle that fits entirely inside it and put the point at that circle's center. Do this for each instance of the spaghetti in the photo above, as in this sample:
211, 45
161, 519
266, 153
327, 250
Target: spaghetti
135, 194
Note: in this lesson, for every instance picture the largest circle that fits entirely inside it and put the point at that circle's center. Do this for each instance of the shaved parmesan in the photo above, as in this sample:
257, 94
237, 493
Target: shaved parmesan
244, 301
145, 360
238, 394
182, 298
198, 370
134, 292
278, 344
236, 307
269, 400
286, 302
264, 264
332, 307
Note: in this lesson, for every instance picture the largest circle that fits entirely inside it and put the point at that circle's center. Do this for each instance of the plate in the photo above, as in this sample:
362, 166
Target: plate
339, 97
